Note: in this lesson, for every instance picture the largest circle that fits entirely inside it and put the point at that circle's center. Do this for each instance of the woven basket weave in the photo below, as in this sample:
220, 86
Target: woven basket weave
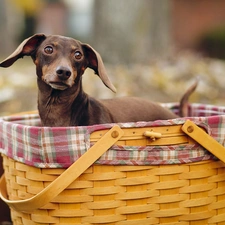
87, 193
168, 194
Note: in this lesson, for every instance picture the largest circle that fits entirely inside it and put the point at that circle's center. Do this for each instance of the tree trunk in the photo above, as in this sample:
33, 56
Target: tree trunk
131, 31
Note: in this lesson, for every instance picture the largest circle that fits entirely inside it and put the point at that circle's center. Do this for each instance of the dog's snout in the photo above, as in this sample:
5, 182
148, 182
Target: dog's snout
63, 72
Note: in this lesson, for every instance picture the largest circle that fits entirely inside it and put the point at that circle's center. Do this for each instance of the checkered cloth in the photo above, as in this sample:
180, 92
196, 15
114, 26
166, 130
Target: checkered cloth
23, 139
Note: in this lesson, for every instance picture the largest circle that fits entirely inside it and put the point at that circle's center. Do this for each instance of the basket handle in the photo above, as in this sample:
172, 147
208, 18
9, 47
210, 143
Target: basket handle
67, 177
205, 140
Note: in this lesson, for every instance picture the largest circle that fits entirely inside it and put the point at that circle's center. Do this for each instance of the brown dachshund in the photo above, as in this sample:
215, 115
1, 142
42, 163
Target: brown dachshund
60, 63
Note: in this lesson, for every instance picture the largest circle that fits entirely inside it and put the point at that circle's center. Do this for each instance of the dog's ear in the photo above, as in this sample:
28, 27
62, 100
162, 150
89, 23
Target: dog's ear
27, 47
95, 62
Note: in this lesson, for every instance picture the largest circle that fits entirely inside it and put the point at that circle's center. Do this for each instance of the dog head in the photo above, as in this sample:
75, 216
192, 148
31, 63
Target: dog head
60, 61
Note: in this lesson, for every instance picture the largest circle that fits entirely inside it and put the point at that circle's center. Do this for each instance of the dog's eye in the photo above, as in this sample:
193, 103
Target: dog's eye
48, 50
78, 55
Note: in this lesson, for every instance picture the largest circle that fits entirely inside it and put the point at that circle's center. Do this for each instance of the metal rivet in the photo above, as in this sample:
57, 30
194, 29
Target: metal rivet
190, 129
115, 134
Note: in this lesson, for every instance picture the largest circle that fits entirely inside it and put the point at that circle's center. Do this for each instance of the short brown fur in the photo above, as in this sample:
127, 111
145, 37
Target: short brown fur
60, 63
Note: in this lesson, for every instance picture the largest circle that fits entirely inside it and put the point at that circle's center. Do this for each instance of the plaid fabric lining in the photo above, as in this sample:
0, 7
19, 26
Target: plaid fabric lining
23, 139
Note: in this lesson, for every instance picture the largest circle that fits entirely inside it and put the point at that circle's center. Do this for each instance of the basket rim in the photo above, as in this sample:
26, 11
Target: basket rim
59, 147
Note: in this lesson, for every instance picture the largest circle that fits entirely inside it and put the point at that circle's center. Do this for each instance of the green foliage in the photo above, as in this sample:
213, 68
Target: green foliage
213, 43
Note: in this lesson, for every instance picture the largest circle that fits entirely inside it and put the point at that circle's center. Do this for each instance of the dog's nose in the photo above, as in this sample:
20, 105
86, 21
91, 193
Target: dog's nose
63, 72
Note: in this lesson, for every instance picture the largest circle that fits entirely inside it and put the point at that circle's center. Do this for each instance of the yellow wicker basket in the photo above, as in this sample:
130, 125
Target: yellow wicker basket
87, 193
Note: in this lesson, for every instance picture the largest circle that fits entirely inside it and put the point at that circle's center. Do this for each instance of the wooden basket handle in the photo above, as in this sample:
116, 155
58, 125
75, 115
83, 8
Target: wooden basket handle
205, 140
87, 159
67, 177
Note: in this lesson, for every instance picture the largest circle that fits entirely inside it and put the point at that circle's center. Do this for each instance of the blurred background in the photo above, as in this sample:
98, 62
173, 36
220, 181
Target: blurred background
151, 48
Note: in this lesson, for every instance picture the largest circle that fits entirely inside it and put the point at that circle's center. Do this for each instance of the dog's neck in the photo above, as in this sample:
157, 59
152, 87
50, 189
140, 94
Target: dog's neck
61, 108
